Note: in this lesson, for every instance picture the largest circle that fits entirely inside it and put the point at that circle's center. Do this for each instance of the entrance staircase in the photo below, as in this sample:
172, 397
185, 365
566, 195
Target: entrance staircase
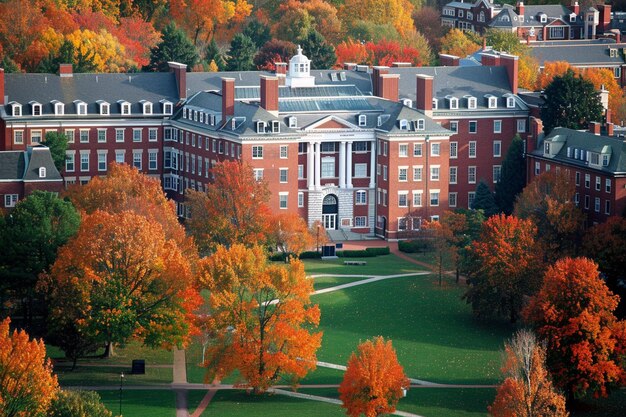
346, 235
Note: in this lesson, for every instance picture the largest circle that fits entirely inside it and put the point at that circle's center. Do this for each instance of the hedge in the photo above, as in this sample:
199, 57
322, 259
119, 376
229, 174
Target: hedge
415, 246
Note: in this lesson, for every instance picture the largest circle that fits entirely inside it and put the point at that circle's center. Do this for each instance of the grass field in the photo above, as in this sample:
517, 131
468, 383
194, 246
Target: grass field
156, 403
379, 265
327, 282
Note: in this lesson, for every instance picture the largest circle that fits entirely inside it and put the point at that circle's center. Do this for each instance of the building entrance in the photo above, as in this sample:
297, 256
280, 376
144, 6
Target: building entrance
330, 208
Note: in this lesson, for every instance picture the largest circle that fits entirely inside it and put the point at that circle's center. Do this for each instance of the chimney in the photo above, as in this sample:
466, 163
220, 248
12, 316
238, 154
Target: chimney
269, 94
281, 69
2, 103
608, 116
228, 97
401, 64
388, 86
349, 66
424, 94
376, 73
535, 132
511, 63
609, 129
180, 72
605, 17
484, 43
575, 8
520, 8
490, 60
594, 127
65, 70
446, 60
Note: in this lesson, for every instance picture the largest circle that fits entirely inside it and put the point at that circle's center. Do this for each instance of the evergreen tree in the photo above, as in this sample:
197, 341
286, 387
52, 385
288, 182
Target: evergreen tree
214, 54
512, 176
174, 46
258, 32
57, 143
484, 200
242, 51
570, 101
320, 52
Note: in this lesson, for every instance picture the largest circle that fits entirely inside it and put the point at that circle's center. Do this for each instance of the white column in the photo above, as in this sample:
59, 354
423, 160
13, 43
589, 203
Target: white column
373, 165
349, 167
310, 165
318, 165
342, 164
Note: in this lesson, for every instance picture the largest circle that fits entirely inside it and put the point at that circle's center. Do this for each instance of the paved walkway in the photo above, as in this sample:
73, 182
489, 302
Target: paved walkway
373, 278
180, 380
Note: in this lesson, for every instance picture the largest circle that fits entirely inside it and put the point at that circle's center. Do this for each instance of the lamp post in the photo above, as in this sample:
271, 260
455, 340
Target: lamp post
317, 246
121, 387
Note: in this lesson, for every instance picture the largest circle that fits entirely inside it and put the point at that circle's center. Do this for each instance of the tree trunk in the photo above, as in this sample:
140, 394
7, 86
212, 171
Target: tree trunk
108, 350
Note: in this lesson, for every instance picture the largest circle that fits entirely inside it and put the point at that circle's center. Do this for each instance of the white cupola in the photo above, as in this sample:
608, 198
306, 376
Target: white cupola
300, 71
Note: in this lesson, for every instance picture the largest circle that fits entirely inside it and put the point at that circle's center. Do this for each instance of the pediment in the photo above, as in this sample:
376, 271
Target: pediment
331, 122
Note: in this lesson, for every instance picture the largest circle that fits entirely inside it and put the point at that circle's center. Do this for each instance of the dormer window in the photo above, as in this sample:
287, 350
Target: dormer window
201, 117
418, 124
362, 120
260, 126
293, 122
572, 17
453, 102
124, 107
167, 107
81, 107
195, 115
510, 102
59, 108
492, 102
605, 160
471, 102
212, 119
275, 126
104, 107
407, 102
404, 124
543, 18
435, 104
146, 107
546, 148
16, 109
35, 108
42, 172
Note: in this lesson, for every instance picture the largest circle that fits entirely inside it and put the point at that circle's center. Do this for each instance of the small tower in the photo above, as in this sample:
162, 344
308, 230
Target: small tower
300, 71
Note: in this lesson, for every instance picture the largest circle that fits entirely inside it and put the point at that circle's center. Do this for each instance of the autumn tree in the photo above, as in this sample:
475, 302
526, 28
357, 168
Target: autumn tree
441, 237
57, 143
366, 31
272, 52
571, 102
573, 313
214, 54
428, 20
548, 202
458, 43
603, 78
463, 227
241, 54
174, 46
553, 69
505, 267
484, 200
374, 381
233, 209
512, 176
290, 234
527, 390
351, 51
75, 403
27, 384
395, 12
300, 17
262, 317
120, 277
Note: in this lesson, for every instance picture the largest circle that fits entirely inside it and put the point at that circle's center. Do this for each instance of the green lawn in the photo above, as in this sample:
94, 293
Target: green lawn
433, 331
156, 403
326, 282
379, 265
110, 375
447, 402
430, 258
122, 356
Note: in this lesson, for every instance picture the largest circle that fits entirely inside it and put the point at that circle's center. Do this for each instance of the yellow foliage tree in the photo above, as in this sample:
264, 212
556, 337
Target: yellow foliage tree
395, 12
457, 43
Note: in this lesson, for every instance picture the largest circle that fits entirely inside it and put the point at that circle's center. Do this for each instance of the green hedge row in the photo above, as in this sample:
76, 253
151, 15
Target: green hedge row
366, 253
415, 246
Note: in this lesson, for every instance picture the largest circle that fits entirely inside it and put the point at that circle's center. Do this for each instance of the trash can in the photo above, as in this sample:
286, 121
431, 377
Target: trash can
139, 367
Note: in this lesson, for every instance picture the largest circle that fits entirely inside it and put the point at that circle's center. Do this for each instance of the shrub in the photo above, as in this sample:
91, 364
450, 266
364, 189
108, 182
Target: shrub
379, 251
311, 255
415, 246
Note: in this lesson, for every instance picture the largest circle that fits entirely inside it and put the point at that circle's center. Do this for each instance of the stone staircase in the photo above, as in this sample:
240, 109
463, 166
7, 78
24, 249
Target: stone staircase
345, 235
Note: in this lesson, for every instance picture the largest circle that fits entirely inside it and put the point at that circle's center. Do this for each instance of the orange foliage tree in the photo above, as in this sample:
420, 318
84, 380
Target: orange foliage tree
120, 277
457, 43
261, 316
505, 267
573, 313
233, 209
551, 70
351, 51
374, 381
603, 77
398, 13
20, 34
27, 384
323, 15
290, 234
527, 390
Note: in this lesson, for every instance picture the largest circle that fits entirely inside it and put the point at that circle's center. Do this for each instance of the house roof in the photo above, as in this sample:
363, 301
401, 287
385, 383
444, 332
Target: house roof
580, 54
12, 165
24, 165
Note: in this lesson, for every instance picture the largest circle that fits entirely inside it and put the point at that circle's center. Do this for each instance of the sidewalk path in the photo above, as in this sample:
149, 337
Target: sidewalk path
373, 278
180, 379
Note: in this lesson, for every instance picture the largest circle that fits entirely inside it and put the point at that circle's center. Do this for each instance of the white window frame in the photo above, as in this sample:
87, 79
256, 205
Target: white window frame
497, 126
257, 152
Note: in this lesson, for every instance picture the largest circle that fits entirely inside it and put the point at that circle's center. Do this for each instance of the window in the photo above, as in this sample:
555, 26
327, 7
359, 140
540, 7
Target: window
435, 149
596, 205
453, 175
434, 173
293, 122
102, 135
10, 200
471, 175
283, 151
607, 185
537, 168
473, 126
362, 120
360, 221
258, 174
607, 207
472, 149
153, 161
587, 180
521, 126
125, 106
454, 103
137, 159
557, 32
328, 167
282, 199
35, 136
360, 170
402, 222
360, 197
84, 136
260, 127
17, 109
402, 173
328, 147
452, 199
417, 198
577, 178
587, 202
417, 149
84, 161
470, 199
454, 150
471, 102
104, 108
385, 172
497, 170
282, 175
605, 160
492, 102
302, 147
137, 135
360, 146
59, 108
403, 199
598, 183
81, 108
403, 150
18, 137
300, 171
152, 135
417, 173
257, 152
577, 199
404, 124
497, 126
419, 124
70, 135
70, 157
300, 199
36, 109
434, 198
119, 135
454, 126
497, 148
167, 108
120, 156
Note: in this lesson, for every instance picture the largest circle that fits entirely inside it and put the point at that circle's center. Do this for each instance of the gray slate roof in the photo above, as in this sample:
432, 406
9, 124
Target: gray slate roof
24, 165
12, 165
579, 54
